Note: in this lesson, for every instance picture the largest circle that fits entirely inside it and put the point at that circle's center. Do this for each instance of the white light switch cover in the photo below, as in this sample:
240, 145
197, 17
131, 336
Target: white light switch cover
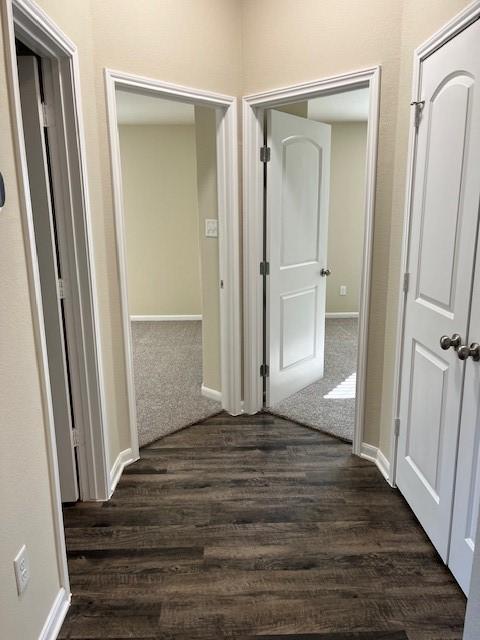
211, 228
21, 565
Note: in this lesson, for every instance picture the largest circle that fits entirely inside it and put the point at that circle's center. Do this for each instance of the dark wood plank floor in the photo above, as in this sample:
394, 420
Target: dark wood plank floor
255, 527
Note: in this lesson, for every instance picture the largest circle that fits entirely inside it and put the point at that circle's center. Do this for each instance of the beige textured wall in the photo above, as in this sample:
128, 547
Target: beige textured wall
346, 218
205, 131
290, 41
161, 219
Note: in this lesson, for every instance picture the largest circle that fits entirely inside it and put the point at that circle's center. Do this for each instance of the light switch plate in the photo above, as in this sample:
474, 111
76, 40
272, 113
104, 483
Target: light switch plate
21, 565
211, 228
343, 290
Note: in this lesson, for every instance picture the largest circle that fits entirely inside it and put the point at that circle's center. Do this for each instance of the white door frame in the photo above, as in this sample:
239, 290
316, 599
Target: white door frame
253, 110
24, 19
227, 184
455, 26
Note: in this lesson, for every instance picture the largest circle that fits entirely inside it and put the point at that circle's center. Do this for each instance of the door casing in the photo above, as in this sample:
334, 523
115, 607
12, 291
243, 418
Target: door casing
24, 20
229, 240
254, 107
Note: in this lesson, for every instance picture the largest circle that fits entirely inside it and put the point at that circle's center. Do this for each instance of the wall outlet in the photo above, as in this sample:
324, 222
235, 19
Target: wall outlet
21, 565
343, 290
211, 228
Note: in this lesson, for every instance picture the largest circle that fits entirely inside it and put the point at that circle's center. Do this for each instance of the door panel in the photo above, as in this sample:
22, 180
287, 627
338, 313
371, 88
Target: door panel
300, 198
442, 189
441, 257
298, 178
424, 447
49, 268
299, 321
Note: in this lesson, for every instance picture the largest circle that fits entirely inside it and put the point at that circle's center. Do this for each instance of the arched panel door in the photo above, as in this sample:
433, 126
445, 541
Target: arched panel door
298, 178
444, 221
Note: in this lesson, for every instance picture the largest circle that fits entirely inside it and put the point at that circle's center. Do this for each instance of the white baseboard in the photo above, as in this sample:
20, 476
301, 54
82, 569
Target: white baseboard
369, 452
342, 314
56, 616
124, 458
212, 394
164, 318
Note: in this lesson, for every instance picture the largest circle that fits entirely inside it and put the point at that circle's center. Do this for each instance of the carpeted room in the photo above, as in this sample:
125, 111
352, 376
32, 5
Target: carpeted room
169, 186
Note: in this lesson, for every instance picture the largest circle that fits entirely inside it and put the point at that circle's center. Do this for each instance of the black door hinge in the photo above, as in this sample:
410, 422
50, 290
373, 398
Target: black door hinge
264, 268
265, 154
264, 370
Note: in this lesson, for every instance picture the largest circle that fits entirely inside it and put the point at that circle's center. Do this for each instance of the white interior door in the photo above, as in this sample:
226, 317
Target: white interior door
441, 259
467, 485
49, 267
298, 181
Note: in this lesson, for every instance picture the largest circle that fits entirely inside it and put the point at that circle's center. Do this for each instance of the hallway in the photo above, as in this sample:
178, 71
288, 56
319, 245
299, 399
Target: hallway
255, 527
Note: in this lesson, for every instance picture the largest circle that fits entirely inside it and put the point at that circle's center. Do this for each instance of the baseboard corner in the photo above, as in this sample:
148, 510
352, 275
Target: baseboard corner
372, 453
56, 616
211, 394
124, 458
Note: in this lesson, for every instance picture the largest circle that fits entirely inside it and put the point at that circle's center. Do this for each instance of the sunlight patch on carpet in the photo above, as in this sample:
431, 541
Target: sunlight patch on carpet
344, 390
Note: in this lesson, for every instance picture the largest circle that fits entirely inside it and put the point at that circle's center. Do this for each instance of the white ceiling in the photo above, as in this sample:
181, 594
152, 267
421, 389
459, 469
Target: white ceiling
138, 108
349, 106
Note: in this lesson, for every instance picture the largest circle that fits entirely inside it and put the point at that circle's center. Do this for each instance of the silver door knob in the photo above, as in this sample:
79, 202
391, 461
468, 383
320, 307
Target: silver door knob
325, 272
455, 341
473, 351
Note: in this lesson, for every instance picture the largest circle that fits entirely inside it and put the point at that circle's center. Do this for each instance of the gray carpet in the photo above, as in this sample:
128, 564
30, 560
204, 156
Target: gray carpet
167, 364
308, 406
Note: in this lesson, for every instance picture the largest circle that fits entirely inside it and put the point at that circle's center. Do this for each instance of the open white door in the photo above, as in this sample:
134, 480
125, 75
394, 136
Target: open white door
441, 259
49, 267
298, 182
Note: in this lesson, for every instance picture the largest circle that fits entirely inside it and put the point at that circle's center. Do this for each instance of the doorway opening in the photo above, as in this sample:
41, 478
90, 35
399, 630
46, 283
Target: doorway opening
314, 223
173, 154
49, 141
309, 223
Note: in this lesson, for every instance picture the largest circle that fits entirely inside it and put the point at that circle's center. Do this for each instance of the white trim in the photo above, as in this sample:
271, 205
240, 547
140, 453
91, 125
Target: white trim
26, 20
124, 458
211, 394
455, 26
384, 465
164, 318
253, 110
229, 232
56, 616
369, 452
341, 314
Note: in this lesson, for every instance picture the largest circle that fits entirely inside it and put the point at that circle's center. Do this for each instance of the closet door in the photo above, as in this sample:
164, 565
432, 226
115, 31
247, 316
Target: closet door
467, 485
441, 259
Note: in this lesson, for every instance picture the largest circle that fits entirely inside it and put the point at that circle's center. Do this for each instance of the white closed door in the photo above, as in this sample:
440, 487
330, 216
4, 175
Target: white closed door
46, 242
298, 180
444, 218
467, 485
